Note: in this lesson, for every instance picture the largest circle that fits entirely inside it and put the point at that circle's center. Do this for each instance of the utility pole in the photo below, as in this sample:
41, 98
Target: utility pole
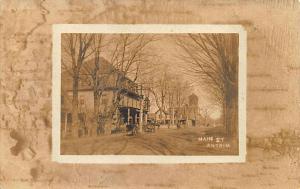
141, 115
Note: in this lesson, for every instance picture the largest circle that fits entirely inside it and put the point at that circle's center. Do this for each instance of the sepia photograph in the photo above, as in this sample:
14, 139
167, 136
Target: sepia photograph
145, 94
150, 93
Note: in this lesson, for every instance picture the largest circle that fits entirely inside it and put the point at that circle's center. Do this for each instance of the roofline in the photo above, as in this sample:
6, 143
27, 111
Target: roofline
108, 89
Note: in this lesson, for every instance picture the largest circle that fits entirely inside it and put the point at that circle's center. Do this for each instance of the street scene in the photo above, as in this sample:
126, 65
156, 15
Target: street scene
149, 94
166, 141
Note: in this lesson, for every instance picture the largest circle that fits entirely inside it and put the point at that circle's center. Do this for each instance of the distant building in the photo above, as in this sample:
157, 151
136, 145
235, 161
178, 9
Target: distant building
187, 114
193, 100
162, 116
193, 114
128, 110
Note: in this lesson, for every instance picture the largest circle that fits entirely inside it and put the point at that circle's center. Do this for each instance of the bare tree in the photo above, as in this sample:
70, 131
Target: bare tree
162, 91
75, 50
127, 53
169, 92
95, 75
206, 112
213, 58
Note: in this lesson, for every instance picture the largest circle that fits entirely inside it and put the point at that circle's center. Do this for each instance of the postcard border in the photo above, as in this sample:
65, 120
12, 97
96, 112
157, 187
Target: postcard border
57, 29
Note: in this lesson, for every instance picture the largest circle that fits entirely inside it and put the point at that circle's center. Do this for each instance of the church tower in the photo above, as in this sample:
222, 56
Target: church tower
193, 109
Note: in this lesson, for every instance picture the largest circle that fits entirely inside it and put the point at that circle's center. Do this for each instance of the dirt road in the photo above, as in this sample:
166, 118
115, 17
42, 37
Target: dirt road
172, 141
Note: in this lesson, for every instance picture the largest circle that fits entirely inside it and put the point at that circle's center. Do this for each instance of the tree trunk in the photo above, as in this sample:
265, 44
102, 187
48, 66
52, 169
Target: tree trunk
108, 117
75, 122
107, 126
230, 114
234, 114
160, 115
94, 125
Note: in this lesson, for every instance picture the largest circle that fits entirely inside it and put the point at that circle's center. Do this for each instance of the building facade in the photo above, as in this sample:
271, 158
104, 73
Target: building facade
187, 114
118, 94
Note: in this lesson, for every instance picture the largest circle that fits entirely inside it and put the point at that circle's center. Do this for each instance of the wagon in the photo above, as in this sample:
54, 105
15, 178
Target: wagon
131, 129
149, 128
151, 124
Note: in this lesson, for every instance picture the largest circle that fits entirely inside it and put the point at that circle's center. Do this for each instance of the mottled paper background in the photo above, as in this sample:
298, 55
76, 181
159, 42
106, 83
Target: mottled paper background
273, 93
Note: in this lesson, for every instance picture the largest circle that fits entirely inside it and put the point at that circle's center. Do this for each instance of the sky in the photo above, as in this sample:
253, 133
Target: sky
168, 51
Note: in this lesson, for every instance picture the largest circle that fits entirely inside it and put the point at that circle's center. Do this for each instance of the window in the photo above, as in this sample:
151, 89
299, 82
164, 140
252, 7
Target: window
69, 117
81, 117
